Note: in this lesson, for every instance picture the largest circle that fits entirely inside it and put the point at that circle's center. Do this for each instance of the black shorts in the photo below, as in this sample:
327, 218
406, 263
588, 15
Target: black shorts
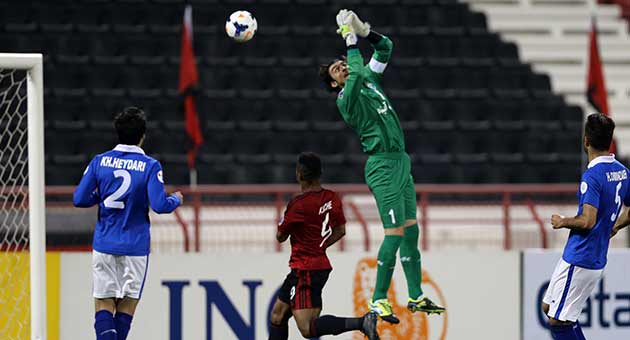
302, 289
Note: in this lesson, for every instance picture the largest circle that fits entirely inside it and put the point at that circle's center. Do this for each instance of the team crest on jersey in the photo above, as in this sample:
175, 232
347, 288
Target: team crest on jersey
160, 177
583, 188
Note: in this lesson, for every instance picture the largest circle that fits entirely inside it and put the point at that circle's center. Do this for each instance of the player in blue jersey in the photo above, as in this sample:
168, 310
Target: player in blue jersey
124, 182
603, 189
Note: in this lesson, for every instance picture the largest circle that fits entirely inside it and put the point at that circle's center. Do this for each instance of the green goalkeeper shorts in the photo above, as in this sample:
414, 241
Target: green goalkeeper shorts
388, 175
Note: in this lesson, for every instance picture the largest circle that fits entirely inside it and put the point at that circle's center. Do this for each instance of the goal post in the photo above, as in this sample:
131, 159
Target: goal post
31, 64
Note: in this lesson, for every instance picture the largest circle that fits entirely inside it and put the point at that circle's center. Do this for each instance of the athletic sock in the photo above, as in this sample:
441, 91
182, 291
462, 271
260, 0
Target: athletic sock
278, 332
123, 324
578, 331
104, 325
332, 325
564, 332
411, 262
386, 263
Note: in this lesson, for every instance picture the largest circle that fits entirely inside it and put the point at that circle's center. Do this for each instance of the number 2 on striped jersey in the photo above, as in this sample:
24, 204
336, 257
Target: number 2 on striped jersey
326, 230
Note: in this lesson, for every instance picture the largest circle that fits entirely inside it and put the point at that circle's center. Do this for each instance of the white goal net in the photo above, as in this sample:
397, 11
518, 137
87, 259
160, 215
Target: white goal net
22, 223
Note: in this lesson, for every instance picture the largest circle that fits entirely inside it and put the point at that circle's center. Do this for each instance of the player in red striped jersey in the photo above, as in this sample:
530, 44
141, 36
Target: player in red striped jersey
314, 220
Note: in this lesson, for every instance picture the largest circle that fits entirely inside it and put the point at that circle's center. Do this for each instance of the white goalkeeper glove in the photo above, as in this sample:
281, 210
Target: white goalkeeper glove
345, 28
361, 28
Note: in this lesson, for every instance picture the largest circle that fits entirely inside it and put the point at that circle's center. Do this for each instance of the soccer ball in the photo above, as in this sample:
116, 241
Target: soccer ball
241, 26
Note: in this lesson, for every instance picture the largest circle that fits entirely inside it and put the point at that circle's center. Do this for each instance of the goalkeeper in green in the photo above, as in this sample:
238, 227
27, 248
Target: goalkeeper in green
366, 109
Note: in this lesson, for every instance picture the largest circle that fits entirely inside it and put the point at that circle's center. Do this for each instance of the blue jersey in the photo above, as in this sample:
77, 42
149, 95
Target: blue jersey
124, 182
605, 186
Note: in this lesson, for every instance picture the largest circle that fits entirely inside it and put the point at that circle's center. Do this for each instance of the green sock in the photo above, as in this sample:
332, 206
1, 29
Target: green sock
386, 263
410, 260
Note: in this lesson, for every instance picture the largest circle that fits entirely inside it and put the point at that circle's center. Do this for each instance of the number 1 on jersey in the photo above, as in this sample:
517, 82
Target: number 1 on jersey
111, 200
391, 214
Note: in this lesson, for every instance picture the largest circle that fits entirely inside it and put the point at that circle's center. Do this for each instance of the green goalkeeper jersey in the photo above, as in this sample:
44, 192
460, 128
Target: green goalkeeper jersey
364, 106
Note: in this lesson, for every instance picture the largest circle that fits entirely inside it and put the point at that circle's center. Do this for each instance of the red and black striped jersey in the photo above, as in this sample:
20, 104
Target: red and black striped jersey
309, 220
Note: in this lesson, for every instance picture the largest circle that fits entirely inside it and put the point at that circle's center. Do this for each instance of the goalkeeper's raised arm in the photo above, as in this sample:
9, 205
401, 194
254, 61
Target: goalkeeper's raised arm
346, 76
382, 52
382, 45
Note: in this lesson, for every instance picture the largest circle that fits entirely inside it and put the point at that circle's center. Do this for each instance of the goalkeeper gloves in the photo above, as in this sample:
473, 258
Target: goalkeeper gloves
361, 28
344, 21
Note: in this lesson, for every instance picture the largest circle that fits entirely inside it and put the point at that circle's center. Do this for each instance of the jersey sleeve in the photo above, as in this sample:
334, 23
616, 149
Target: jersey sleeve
160, 202
293, 215
86, 193
590, 188
383, 47
626, 198
352, 88
338, 217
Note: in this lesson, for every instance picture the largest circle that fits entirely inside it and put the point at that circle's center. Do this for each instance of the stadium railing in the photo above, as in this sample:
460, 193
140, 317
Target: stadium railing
211, 211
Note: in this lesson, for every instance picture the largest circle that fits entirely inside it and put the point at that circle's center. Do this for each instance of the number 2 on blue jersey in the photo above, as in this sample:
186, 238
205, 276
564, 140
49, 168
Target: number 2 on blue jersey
111, 200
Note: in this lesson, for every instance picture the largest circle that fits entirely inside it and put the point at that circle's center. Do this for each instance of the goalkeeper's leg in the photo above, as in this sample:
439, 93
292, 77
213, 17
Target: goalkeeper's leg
409, 252
386, 189
410, 259
410, 256
412, 266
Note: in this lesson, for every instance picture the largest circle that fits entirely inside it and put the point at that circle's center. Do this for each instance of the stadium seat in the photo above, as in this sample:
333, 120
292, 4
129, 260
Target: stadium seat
572, 117
470, 115
509, 82
58, 19
93, 19
471, 82
506, 54
176, 171
476, 23
434, 169
20, 19
447, 18
218, 172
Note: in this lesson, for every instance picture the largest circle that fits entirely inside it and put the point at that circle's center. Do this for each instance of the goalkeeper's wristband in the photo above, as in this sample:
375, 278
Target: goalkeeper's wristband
374, 38
351, 40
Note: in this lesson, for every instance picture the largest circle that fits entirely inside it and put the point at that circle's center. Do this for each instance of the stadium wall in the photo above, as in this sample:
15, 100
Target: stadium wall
211, 297
224, 297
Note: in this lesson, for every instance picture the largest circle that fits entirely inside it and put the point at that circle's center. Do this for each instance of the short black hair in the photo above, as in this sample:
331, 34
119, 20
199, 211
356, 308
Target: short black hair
131, 125
326, 78
310, 165
599, 131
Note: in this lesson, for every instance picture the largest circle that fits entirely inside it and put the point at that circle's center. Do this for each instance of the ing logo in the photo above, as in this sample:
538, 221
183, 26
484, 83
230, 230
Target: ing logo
416, 326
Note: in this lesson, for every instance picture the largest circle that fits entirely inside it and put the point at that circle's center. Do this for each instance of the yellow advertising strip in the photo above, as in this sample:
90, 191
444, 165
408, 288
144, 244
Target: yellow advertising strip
15, 298
53, 281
